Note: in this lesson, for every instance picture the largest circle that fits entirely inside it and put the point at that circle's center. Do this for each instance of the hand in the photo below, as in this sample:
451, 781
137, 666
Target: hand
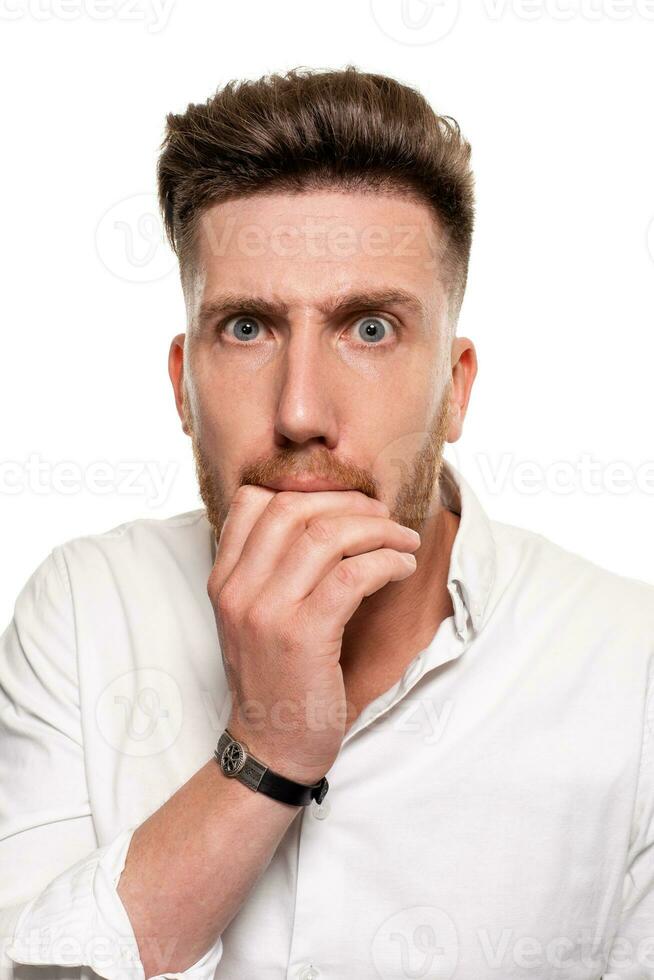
291, 569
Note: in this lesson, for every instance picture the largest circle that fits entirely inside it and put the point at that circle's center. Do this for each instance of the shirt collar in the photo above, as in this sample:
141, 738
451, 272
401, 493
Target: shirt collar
473, 560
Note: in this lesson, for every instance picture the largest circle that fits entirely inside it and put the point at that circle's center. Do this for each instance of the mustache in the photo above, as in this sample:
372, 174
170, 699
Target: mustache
319, 465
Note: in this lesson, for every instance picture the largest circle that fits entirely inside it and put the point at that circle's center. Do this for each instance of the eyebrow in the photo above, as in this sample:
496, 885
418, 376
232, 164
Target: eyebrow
228, 303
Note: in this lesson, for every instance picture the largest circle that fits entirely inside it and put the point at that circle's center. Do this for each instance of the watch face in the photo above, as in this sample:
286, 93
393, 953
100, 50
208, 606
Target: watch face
233, 758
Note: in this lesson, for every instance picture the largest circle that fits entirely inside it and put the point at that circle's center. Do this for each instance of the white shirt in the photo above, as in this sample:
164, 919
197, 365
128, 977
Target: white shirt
491, 815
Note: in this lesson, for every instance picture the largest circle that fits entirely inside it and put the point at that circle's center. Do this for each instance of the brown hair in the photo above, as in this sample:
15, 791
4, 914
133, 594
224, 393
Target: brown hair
307, 129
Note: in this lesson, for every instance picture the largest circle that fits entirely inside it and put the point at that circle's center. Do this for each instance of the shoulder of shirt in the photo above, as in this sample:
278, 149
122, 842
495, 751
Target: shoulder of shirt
140, 530
557, 569
182, 536
153, 525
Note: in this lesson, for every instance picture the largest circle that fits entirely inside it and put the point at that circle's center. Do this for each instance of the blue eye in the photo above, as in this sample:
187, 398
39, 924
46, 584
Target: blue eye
245, 328
372, 328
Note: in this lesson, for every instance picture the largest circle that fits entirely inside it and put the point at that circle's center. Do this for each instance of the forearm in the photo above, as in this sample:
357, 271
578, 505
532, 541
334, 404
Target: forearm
192, 863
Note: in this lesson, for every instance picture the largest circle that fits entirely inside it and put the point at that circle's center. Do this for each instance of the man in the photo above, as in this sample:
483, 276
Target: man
338, 723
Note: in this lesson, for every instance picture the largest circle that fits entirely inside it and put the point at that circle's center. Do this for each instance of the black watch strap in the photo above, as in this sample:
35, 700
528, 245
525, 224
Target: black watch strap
236, 762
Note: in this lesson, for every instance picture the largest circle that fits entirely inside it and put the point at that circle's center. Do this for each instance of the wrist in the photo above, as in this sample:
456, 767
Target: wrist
266, 754
237, 760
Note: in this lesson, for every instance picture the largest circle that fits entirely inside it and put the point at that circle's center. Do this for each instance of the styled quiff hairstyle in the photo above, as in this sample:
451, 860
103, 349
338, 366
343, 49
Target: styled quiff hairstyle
312, 129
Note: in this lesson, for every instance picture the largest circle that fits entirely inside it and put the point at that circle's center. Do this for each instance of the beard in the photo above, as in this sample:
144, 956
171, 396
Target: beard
414, 501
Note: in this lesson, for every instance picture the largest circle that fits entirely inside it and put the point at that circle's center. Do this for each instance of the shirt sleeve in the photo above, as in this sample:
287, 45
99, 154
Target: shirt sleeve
59, 904
632, 952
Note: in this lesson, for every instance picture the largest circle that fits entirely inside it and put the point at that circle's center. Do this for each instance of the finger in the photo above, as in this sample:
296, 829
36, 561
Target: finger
247, 506
335, 600
324, 543
284, 520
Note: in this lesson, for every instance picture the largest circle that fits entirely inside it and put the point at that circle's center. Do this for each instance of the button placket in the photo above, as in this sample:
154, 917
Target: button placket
320, 888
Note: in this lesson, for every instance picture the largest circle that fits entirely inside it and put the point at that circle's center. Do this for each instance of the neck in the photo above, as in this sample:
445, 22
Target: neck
393, 624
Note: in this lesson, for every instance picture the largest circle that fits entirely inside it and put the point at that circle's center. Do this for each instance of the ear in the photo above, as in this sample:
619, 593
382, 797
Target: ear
176, 373
464, 371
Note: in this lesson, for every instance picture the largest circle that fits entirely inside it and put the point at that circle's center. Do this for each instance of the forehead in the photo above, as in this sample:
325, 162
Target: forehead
304, 248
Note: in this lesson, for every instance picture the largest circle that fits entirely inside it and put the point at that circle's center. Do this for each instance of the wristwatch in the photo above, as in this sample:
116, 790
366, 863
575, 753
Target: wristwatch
236, 762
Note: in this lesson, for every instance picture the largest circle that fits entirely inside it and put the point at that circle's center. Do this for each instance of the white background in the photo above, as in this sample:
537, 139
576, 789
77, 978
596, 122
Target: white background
556, 99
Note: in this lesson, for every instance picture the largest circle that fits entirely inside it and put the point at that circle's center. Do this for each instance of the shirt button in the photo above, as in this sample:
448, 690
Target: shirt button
308, 973
321, 811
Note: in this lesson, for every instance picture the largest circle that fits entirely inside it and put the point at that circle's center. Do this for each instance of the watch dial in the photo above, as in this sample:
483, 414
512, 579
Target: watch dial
233, 758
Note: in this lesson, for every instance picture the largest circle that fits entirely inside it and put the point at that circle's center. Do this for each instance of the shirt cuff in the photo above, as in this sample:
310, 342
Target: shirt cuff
79, 920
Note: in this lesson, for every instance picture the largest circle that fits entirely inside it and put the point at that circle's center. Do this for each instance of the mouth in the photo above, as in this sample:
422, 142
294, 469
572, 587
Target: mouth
306, 484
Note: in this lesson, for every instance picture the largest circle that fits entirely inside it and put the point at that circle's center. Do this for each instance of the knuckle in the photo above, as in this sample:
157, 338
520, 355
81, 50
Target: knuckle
256, 618
214, 588
284, 503
289, 637
346, 575
319, 530
244, 493
247, 497
226, 600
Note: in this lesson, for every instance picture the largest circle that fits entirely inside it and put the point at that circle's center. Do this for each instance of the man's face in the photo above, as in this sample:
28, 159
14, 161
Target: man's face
314, 366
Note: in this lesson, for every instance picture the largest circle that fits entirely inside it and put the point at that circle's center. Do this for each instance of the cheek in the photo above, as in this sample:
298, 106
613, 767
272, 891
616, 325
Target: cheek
399, 419
232, 429
393, 428
235, 430
395, 458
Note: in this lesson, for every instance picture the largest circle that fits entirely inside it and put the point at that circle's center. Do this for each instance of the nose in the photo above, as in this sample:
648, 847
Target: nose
306, 405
